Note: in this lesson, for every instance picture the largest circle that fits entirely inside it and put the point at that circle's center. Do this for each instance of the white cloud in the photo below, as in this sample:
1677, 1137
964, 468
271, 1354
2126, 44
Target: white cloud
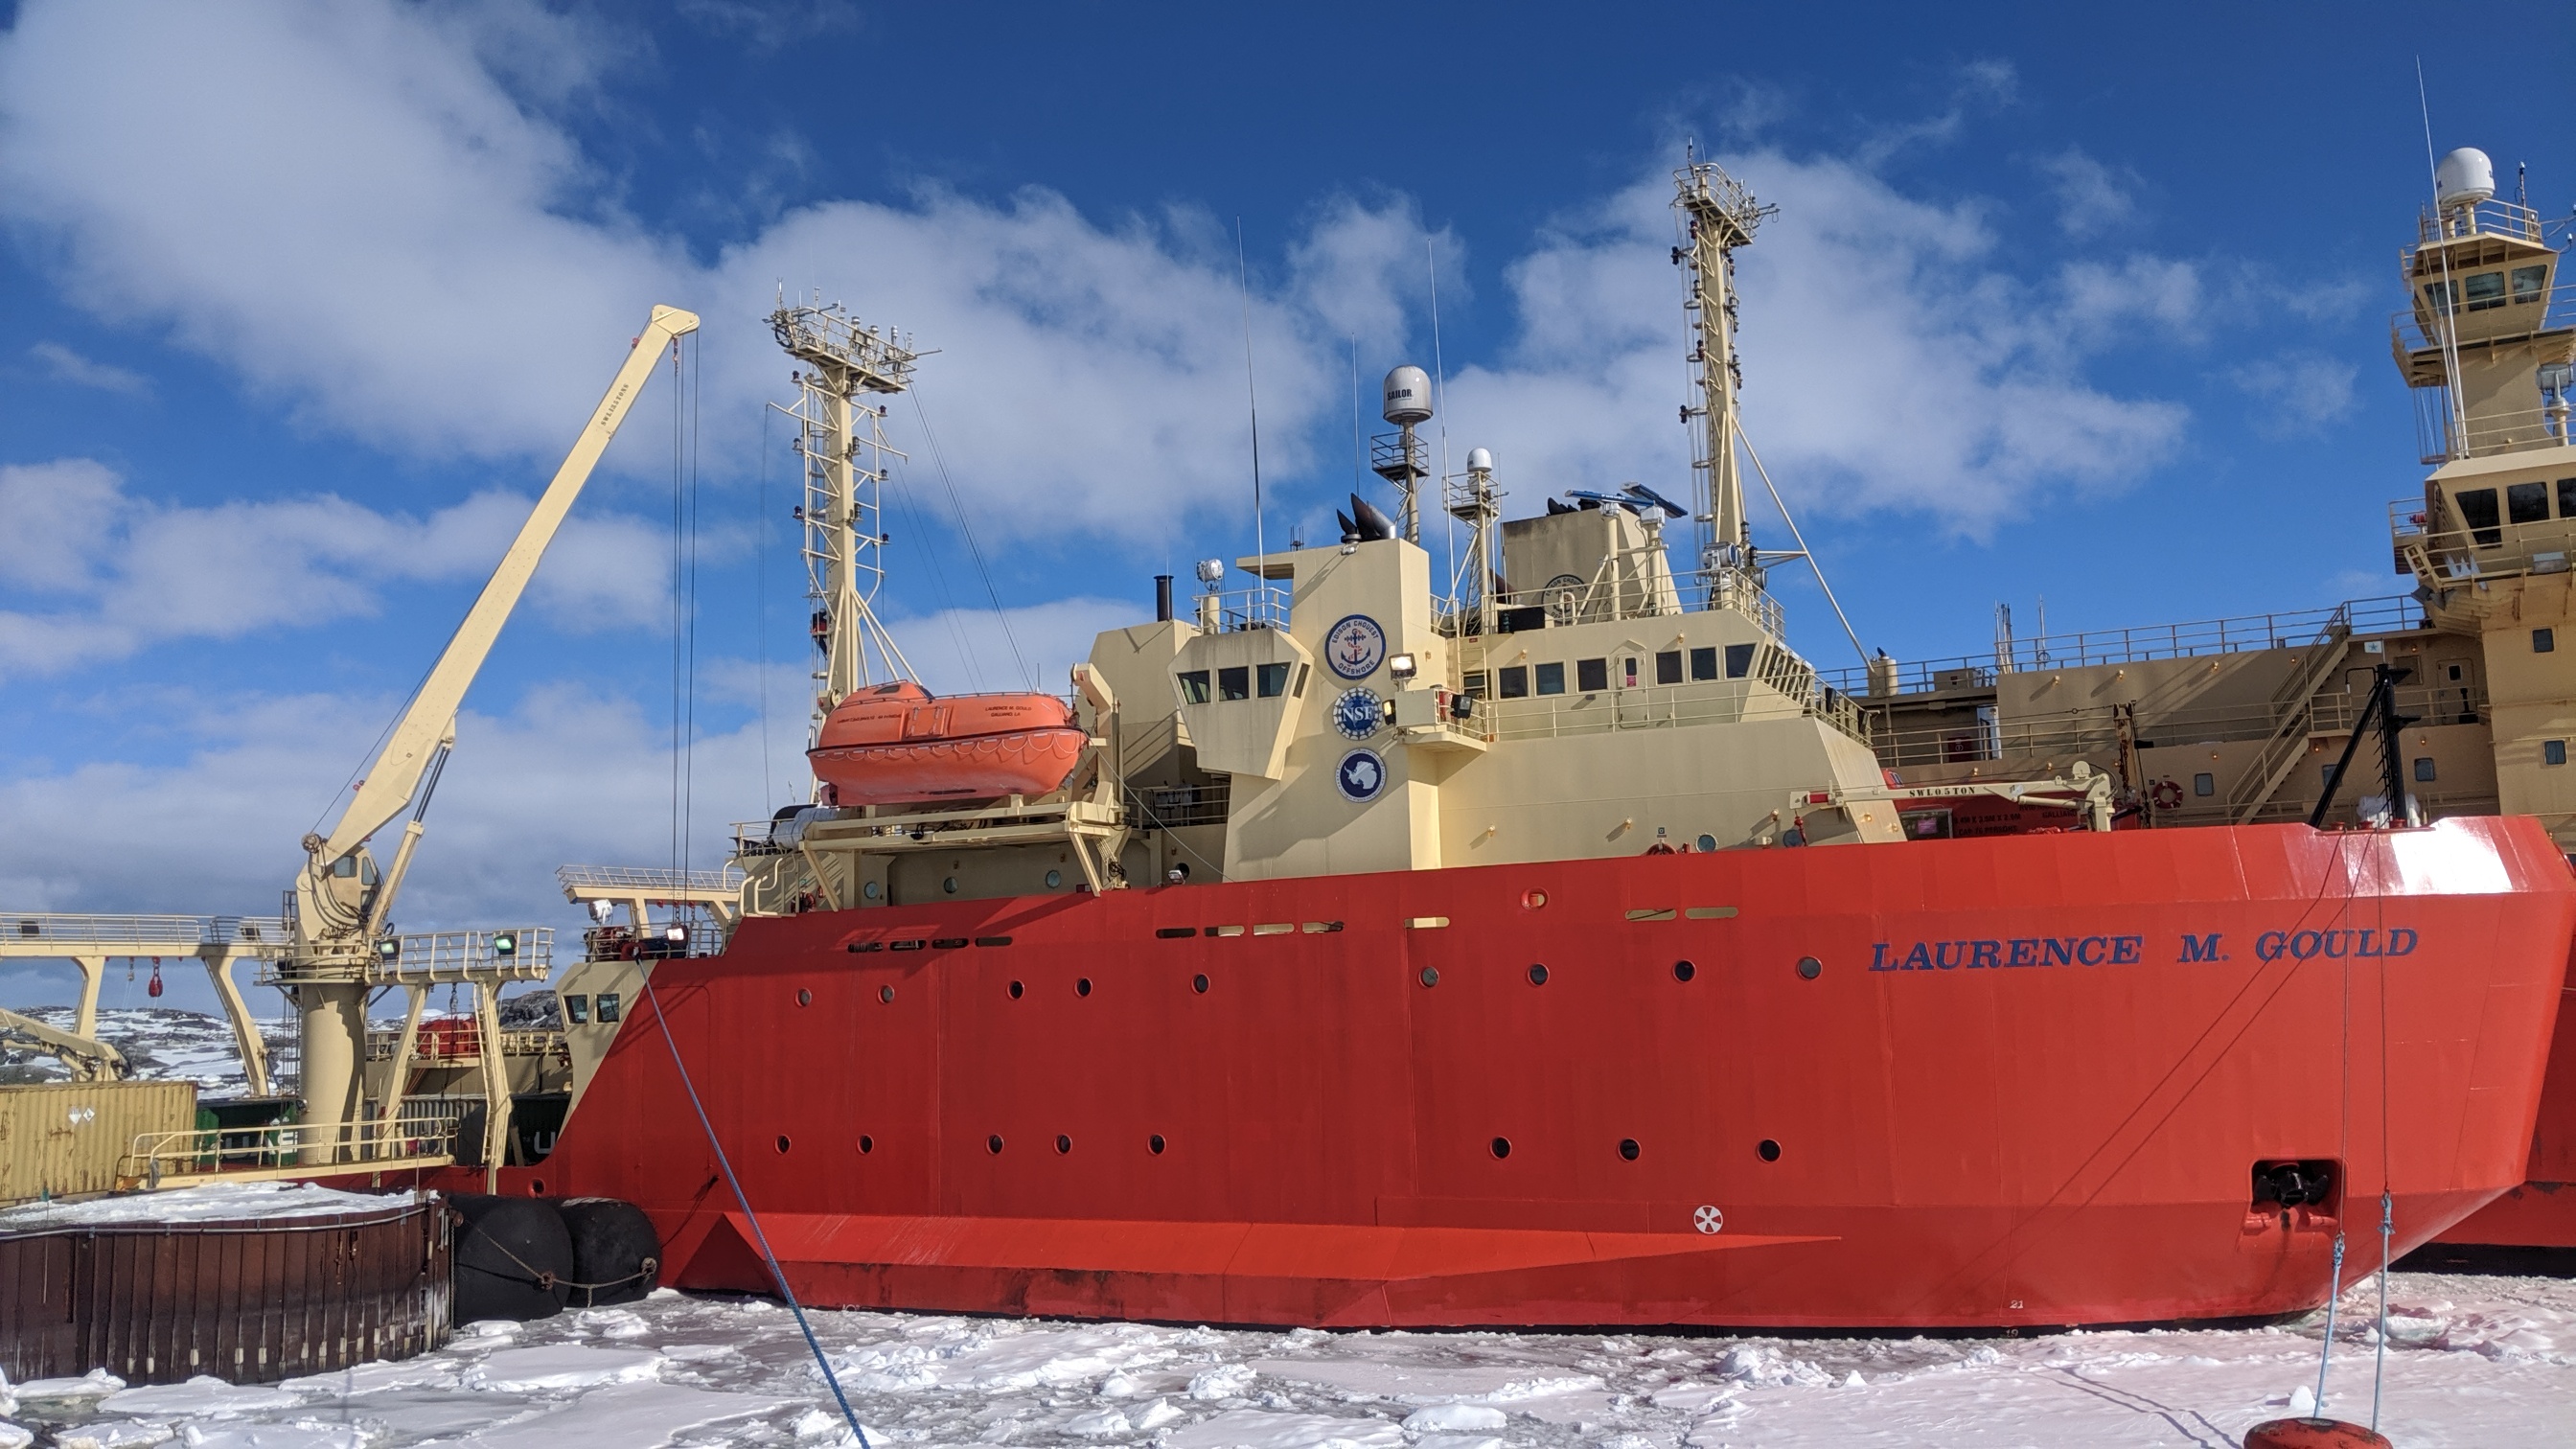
2091, 197
65, 365
96, 573
2298, 393
971, 649
1891, 361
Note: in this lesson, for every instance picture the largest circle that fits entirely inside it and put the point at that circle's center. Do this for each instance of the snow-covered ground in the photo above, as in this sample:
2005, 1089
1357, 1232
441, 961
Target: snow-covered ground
164, 1043
2473, 1361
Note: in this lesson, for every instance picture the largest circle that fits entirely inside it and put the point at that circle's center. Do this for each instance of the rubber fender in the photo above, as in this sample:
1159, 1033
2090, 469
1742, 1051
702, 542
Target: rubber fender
2312, 1434
616, 1255
513, 1258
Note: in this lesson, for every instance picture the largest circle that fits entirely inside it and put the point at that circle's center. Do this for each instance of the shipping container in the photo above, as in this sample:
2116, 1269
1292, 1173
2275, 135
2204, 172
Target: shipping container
64, 1139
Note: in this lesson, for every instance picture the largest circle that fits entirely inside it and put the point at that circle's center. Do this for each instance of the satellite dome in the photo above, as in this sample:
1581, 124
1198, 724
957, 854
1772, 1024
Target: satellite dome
2464, 178
1211, 570
1408, 396
1480, 460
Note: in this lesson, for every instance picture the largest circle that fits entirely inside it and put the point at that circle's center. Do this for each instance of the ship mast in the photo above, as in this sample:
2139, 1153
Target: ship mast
842, 440
1718, 215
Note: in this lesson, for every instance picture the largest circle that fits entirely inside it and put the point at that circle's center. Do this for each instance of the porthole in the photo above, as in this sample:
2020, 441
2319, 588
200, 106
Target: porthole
1015, 989
885, 994
1430, 975
537, 1187
1199, 983
1063, 1144
993, 1144
866, 1143
1707, 844
1501, 1147
1533, 900
1054, 878
804, 997
1683, 971
1082, 987
1538, 975
1810, 968
1769, 1150
1154, 1144
871, 890
1628, 1149
782, 1144
949, 885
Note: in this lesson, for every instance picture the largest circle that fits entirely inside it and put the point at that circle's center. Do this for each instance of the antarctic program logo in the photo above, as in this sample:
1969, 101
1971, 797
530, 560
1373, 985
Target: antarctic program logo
1361, 776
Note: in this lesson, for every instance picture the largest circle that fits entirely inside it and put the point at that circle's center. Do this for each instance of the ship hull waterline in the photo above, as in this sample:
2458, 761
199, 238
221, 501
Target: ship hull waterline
2025, 1081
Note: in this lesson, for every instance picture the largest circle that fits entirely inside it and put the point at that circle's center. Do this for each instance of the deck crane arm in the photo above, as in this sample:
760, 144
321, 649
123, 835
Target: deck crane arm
340, 903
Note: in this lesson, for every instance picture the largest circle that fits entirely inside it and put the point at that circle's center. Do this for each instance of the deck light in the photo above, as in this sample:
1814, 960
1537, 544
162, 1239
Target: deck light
505, 943
1401, 666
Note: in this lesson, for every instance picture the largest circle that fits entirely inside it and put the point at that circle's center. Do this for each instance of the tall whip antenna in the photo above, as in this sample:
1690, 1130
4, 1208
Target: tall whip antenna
1251, 396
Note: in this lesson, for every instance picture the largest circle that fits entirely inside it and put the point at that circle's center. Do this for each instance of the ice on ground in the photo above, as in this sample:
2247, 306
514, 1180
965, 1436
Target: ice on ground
1262, 1429
276, 1436
202, 1397
14, 1437
559, 1366
2471, 1361
214, 1202
98, 1383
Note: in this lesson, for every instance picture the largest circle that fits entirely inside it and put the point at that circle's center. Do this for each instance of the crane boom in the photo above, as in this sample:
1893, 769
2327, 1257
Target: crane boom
415, 741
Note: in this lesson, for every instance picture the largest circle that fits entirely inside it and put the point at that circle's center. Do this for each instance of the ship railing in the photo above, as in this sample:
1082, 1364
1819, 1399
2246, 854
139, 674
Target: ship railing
1635, 584
2507, 314
171, 1159
461, 1044
1231, 611
419, 958
87, 935
2294, 629
1169, 806
1658, 706
642, 880
661, 941
2440, 438
2493, 217
2444, 555
2093, 732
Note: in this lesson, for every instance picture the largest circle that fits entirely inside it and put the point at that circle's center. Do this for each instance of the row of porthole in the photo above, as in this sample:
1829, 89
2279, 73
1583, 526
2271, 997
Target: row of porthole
1809, 968
1629, 1150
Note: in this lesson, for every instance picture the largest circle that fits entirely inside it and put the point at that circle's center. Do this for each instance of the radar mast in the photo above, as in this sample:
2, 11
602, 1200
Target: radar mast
1718, 215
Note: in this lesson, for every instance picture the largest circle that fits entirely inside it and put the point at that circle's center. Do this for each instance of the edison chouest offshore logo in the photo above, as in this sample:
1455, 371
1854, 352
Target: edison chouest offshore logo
1355, 646
1996, 953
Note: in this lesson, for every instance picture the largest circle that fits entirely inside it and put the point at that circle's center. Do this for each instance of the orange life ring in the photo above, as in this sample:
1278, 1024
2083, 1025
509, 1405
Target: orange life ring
2166, 795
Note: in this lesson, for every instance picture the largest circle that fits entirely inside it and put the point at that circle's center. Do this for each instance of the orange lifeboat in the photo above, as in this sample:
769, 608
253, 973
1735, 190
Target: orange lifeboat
898, 744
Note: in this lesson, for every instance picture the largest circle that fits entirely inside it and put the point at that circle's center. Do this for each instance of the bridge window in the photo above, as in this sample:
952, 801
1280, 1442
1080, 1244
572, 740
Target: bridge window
1235, 683
2424, 769
1739, 660
2529, 283
1473, 685
577, 1010
2484, 290
1551, 679
1514, 681
2478, 510
2526, 503
607, 1007
1592, 675
1194, 687
1668, 667
1274, 680
1703, 663
2567, 497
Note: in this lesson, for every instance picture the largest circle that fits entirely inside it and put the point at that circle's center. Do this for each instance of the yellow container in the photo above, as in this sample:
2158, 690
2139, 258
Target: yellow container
63, 1139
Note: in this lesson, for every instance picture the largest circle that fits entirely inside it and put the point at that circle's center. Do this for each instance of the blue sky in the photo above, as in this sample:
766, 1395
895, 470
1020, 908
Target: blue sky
299, 304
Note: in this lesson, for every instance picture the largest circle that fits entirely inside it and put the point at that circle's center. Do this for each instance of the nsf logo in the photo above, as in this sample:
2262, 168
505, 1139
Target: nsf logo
1361, 775
1358, 713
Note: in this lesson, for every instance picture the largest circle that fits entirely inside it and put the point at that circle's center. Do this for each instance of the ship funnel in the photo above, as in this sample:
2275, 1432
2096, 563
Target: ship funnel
1408, 396
2464, 178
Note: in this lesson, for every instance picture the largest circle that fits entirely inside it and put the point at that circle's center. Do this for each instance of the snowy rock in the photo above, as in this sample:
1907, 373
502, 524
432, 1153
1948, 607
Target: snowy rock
560, 1366
1451, 1418
202, 1397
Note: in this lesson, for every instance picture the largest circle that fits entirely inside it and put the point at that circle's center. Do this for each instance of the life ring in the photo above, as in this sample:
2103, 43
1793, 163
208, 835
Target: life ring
2166, 795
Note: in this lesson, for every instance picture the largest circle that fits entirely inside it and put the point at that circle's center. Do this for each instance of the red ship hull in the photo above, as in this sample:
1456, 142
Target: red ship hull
2028, 1082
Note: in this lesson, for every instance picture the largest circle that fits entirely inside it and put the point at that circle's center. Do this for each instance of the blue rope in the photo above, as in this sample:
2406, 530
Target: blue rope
759, 1238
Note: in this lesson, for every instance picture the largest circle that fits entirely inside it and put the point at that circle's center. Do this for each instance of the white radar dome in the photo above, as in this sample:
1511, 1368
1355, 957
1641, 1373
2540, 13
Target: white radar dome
1480, 460
1408, 396
1211, 570
2464, 178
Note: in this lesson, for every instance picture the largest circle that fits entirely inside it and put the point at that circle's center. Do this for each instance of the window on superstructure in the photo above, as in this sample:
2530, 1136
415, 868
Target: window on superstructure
607, 1007
2433, 295
1551, 678
1739, 660
2526, 503
2553, 752
2478, 510
1300, 691
1590, 675
2544, 641
1235, 683
2204, 784
2567, 497
1473, 685
2529, 283
2424, 769
577, 1010
1703, 663
2484, 290
1194, 686
1513, 681
1273, 680
1668, 667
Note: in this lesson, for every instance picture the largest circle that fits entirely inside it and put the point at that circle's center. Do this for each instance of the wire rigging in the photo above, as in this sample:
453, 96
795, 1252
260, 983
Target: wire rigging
965, 529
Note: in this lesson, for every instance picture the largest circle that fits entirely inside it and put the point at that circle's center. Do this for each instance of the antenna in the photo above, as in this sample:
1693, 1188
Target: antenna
1243, 281
1440, 384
